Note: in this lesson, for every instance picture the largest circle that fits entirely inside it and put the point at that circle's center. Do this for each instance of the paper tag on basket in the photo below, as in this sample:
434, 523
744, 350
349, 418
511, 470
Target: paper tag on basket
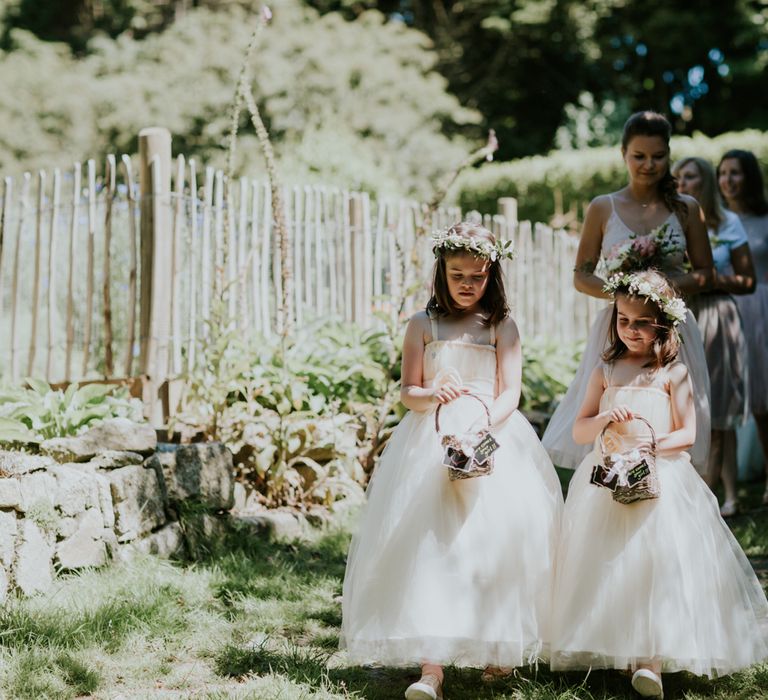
456, 459
485, 448
638, 473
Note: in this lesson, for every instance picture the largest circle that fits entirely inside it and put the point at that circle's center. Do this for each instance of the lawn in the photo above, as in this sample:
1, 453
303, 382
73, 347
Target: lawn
259, 620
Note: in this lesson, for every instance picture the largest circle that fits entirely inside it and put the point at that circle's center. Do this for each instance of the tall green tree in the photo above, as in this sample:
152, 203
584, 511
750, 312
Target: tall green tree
701, 61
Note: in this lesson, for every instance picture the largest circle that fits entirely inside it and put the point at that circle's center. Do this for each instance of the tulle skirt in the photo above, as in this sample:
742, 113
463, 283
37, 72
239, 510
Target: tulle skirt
754, 314
557, 437
725, 348
453, 572
661, 579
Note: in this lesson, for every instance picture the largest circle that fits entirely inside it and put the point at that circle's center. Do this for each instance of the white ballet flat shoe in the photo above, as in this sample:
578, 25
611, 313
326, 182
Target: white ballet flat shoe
729, 509
647, 683
428, 687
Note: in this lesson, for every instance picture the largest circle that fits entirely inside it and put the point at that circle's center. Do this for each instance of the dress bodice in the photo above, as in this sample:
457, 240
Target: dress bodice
648, 398
617, 232
469, 364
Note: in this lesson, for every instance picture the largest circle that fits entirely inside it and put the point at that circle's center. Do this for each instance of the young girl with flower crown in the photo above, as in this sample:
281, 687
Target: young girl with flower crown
446, 571
657, 585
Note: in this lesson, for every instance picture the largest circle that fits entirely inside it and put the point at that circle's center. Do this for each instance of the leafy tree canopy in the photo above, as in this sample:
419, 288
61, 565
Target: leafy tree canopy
377, 123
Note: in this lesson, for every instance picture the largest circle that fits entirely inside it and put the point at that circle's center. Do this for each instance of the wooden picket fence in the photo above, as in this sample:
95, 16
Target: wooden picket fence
117, 273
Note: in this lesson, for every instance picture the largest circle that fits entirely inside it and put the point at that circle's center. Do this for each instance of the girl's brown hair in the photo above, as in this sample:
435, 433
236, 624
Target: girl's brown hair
493, 302
648, 123
709, 197
667, 341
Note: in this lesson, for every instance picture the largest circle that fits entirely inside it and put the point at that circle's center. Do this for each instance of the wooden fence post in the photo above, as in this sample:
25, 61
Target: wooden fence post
156, 257
507, 207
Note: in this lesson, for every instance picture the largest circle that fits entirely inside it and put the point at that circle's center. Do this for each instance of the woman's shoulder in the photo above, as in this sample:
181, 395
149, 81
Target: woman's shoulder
603, 203
731, 230
691, 206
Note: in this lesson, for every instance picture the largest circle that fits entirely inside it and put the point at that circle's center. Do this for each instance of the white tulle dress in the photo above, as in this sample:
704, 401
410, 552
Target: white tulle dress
454, 572
557, 437
662, 579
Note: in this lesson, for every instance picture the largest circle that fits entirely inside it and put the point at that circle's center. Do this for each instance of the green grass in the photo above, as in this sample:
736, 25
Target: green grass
257, 620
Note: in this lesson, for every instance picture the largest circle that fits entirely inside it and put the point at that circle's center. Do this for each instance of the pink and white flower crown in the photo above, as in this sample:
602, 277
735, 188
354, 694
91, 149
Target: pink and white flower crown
637, 284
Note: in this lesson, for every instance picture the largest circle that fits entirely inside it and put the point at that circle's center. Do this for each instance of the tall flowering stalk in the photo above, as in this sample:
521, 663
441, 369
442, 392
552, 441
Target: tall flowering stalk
244, 94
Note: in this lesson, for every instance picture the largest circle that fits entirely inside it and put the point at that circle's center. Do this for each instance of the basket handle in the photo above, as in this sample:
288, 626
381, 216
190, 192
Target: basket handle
471, 396
653, 434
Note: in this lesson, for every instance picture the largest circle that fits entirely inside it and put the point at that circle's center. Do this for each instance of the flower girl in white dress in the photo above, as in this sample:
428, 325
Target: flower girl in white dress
460, 571
659, 584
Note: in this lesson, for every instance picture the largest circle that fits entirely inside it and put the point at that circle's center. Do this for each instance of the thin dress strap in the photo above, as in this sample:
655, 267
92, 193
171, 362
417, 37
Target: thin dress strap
493, 334
613, 206
607, 373
433, 327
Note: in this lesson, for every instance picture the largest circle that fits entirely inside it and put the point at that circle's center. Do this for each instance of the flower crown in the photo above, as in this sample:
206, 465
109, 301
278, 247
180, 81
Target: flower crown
673, 308
448, 240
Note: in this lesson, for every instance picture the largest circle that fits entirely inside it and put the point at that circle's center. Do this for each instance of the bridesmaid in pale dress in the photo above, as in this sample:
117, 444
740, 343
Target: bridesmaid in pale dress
741, 184
649, 200
720, 323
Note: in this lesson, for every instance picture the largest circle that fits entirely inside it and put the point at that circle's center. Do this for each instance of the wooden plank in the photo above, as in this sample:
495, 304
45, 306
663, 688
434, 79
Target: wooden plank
23, 206
53, 264
298, 237
242, 314
367, 261
230, 247
41, 177
329, 213
192, 268
133, 270
255, 258
205, 274
73, 229
218, 235
109, 194
309, 235
277, 255
378, 243
91, 202
4, 216
348, 279
178, 219
266, 260
320, 243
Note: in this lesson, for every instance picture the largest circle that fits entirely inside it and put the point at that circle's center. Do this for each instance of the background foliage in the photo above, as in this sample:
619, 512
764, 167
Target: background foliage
374, 94
579, 175
377, 122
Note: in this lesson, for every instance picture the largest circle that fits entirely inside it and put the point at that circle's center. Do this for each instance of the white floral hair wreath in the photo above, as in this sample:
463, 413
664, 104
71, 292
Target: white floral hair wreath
448, 240
673, 308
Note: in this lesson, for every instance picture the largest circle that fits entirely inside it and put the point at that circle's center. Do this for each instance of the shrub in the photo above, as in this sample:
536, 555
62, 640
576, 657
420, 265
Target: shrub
579, 176
41, 412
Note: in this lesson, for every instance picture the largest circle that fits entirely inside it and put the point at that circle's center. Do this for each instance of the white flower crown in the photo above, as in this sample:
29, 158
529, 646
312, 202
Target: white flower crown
673, 308
447, 239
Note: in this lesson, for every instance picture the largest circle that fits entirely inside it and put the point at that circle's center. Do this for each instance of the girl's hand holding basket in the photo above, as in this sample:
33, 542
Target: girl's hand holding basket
630, 474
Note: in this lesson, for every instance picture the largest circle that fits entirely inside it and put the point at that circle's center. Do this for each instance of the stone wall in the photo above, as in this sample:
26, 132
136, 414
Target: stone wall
112, 491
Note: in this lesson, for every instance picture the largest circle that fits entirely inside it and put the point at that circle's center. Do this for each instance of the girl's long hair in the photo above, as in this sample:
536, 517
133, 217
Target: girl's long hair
667, 342
493, 302
709, 197
648, 123
754, 189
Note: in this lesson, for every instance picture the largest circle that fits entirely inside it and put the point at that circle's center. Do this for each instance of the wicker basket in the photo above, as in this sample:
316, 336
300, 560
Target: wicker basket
630, 475
479, 460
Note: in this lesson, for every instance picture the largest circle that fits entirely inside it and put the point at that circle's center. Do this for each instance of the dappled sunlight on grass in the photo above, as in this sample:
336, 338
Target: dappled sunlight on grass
257, 620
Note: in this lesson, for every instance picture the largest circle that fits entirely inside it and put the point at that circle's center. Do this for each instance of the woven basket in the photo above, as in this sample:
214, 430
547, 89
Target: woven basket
460, 464
630, 475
